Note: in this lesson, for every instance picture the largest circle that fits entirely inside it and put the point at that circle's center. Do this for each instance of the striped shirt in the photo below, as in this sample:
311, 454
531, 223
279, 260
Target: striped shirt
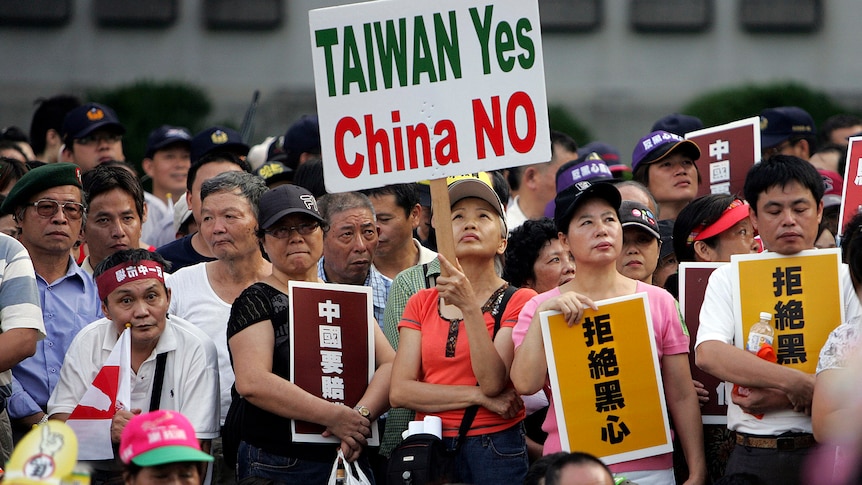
19, 297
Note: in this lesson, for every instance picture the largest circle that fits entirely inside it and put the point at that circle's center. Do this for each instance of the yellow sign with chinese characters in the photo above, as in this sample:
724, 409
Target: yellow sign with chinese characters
802, 292
606, 383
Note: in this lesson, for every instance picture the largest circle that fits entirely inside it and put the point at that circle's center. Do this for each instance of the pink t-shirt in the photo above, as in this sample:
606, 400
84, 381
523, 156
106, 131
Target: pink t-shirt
670, 337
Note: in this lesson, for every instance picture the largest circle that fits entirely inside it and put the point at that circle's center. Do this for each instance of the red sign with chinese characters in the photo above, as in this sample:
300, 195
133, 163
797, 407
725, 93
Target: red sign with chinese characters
332, 346
851, 199
693, 278
726, 154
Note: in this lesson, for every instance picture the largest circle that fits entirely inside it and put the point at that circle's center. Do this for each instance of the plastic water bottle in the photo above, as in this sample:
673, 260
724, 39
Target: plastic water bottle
760, 339
761, 335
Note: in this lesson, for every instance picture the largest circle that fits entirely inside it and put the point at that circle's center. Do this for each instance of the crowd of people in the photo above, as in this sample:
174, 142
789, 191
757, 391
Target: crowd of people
197, 267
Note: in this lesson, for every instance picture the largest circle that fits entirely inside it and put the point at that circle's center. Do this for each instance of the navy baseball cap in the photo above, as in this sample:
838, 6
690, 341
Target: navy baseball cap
274, 171
659, 144
678, 124
88, 118
167, 135
779, 124
302, 136
217, 139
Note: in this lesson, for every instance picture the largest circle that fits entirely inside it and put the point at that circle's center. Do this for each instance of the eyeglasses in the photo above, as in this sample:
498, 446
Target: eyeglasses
770, 152
104, 137
49, 207
283, 232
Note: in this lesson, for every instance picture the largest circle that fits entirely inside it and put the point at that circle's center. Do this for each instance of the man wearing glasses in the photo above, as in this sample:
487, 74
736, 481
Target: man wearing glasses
787, 130
93, 134
47, 206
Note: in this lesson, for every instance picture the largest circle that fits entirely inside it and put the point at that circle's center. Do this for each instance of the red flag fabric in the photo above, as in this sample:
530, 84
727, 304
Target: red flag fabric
109, 392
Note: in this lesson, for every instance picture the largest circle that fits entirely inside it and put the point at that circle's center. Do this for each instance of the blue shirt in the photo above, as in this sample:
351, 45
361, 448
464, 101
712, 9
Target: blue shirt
180, 253
379, 284
68, 305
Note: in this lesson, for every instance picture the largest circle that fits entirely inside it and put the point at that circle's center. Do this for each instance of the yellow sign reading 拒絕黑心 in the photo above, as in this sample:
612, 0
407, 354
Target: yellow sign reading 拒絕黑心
802, 292
606, 383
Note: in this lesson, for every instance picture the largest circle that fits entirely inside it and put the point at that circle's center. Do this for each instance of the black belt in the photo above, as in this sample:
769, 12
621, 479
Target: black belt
797, 441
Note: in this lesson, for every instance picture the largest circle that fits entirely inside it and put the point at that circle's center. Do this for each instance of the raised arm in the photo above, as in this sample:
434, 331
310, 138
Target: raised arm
491, 371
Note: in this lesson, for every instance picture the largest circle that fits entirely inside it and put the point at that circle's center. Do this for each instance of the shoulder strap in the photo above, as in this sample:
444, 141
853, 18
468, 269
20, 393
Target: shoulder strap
430, 279
501, 308
466, 422
158, 381
470, 412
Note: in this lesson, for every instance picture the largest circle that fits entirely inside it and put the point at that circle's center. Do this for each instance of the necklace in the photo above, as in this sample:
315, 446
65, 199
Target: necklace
491, 305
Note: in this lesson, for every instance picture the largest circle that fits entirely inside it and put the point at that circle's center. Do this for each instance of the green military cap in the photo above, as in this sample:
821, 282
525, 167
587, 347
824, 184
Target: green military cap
39, 179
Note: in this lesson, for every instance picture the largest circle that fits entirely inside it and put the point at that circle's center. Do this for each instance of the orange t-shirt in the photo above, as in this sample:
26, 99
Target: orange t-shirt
421, 313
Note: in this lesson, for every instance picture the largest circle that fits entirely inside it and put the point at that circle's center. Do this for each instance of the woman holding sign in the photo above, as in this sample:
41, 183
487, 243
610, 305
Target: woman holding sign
258, 335
455, 346
586, 216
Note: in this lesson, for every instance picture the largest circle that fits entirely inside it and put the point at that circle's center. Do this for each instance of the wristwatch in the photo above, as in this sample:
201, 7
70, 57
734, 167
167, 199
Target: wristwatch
363, 410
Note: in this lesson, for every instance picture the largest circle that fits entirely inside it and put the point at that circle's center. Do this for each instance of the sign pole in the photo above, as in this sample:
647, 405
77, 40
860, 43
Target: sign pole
442, 212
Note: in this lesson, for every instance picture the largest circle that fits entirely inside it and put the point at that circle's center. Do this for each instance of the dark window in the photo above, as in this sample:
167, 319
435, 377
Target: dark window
35, 13
781, 16
570, 15
135, 13
243, 15
671, 15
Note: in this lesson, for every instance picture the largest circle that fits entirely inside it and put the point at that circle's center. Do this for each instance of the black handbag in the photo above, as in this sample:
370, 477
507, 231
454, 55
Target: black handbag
423, 458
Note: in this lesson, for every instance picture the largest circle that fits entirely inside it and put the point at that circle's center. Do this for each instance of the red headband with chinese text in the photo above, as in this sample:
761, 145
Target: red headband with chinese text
126, 272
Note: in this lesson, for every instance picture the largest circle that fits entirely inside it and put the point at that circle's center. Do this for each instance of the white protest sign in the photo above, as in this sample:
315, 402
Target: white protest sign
411, 90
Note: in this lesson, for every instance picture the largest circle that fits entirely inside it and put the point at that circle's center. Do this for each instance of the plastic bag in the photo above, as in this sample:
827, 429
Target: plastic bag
353, 475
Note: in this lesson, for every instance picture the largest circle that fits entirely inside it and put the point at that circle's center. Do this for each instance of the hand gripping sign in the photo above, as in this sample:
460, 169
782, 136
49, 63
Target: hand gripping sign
332, 348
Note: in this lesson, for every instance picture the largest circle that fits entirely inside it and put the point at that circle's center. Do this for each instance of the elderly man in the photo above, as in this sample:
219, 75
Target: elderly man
165, 350
349, 245
204, 293
116, 213
193, 249
47, 205
92, 134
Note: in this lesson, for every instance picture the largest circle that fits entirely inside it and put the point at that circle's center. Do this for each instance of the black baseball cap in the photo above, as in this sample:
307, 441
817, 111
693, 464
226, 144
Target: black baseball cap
285, 200
569, 199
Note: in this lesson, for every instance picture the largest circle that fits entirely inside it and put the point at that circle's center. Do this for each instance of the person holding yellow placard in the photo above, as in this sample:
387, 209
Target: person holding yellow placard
587, 218
785, 194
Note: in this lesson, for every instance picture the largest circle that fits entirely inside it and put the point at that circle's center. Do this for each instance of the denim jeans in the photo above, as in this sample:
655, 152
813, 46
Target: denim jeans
493, 458
253, 462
